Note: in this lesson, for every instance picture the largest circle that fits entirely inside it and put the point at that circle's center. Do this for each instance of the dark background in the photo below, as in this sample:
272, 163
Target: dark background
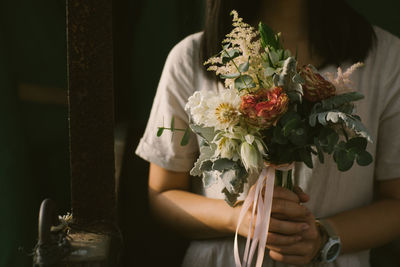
34, 161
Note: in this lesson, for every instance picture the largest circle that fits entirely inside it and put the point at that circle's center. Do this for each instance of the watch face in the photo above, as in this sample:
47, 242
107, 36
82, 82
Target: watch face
333, 251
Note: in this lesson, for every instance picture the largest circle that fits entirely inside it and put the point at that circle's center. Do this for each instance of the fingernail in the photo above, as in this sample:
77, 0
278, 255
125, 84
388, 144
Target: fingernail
305, 226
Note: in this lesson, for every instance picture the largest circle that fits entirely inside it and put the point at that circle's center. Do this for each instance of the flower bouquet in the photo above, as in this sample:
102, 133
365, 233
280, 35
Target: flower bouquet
271, 114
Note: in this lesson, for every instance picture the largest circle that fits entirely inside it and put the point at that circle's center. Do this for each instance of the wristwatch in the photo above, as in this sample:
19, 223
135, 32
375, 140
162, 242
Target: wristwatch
331, 249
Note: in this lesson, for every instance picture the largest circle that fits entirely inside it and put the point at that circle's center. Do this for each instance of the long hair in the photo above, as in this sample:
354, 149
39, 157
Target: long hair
336, 31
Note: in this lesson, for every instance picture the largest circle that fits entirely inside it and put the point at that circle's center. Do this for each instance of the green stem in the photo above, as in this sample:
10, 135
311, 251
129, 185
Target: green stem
237, 68
172, 130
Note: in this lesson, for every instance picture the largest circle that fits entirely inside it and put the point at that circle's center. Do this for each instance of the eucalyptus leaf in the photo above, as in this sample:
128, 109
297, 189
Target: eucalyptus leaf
278, 136
339, 100
357, 144
269, 71
299, 137
364, 158
344, 160
244, 82
160, 131
228, 55
274, 57
306, 157
230, 76
319, 150
244, 66
172, 124
290, 126
186, 137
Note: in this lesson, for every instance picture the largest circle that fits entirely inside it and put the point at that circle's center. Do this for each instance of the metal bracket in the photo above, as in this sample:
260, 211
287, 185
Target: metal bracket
52, 246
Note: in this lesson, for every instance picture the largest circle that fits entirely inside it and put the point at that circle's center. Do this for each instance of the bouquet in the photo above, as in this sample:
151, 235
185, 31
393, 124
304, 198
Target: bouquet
271, 114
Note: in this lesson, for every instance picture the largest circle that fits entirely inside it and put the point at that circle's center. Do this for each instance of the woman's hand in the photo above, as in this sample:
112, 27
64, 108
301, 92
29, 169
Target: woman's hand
301, 252
288, 218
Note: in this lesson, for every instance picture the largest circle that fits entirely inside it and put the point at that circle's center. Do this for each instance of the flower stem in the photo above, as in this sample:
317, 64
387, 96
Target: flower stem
237, 68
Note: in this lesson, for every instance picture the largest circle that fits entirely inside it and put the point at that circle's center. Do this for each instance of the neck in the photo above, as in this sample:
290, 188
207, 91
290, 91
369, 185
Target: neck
289, 17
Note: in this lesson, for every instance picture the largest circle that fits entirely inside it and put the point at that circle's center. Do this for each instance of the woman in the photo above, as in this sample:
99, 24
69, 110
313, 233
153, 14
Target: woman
361, 206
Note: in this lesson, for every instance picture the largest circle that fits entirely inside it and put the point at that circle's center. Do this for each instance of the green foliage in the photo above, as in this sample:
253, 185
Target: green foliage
234, 180
203, 163
207, 133
244, 66
244, 82
230, 76
355, 149
335, 102
186, 137
269, 39
337, 110
228, 55
160, 131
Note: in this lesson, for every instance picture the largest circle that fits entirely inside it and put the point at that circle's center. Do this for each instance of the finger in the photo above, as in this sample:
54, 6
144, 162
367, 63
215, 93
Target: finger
284, 193
298, 249
289, 259
287, 227
301, 194
289, 209
275, 239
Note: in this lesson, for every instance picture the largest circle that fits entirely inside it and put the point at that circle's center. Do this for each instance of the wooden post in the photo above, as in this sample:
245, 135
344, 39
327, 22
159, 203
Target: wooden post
91, 121
91, 112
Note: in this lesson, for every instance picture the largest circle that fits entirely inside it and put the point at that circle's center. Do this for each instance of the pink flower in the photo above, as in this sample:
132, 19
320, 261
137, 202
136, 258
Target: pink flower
315, 88
265, 107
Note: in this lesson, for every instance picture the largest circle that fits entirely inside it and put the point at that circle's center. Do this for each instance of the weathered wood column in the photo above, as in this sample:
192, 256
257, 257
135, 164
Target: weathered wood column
91, 112
91, 121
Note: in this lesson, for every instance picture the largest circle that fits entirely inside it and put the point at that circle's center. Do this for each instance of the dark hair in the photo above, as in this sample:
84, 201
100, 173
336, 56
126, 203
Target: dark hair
336, 31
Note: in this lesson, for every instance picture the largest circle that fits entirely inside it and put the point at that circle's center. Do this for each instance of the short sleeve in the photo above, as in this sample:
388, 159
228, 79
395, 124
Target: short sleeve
387, 165
175, 87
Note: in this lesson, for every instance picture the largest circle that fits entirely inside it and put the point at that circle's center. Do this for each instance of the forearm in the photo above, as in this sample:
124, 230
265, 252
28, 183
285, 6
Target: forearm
369, 226
193, 215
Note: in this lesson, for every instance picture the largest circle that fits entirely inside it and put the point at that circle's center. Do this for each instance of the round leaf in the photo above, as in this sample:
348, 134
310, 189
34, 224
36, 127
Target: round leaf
364, 158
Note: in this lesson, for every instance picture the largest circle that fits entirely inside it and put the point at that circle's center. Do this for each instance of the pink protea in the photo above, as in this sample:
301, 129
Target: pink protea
265, 107
315, 88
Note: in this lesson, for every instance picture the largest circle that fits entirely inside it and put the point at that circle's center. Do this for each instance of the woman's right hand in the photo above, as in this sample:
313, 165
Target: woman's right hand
288, 217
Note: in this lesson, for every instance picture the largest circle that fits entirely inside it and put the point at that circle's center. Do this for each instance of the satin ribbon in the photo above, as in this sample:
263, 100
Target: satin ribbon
263, 205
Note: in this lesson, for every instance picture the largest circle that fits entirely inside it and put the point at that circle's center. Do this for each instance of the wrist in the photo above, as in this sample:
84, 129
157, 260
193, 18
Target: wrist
233, 218
330, 243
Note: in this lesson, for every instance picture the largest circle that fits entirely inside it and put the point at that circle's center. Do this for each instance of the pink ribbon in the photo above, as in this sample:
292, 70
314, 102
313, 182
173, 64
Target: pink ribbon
263, 204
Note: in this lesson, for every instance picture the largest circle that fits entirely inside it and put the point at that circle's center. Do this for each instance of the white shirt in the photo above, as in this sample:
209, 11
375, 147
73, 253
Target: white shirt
331, 191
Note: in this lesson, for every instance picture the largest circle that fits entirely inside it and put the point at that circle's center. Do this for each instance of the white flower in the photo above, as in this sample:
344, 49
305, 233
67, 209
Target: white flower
223, 112
226, 147
197, 106
250, 156
215, 109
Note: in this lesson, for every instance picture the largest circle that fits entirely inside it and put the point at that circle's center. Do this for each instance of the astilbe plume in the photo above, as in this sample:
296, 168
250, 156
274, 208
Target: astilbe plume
246, 39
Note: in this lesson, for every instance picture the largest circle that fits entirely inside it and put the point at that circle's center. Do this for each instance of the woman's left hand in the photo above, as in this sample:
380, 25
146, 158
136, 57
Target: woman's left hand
301, 252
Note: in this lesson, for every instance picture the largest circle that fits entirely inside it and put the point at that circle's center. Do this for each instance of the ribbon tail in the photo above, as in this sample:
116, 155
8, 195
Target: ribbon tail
269, 191
246, 205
